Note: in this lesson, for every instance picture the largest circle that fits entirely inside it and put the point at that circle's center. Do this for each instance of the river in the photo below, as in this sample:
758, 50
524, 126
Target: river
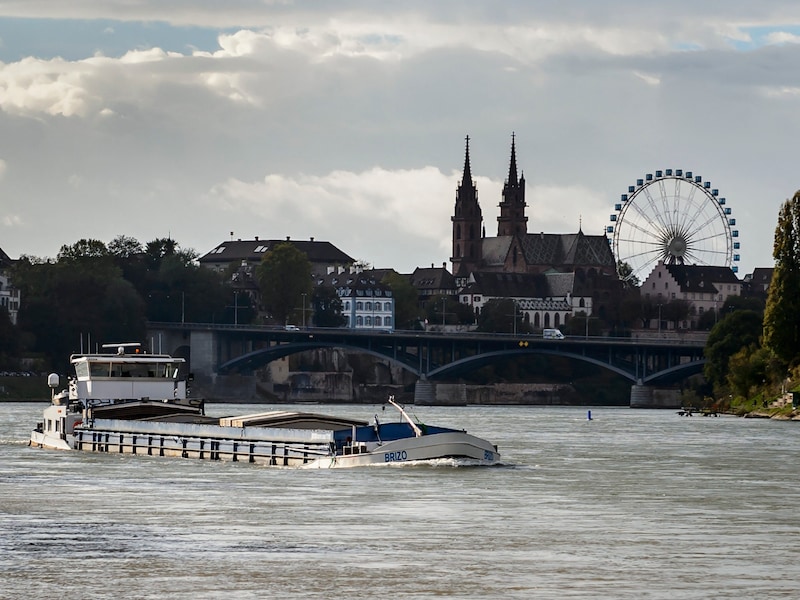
632, 504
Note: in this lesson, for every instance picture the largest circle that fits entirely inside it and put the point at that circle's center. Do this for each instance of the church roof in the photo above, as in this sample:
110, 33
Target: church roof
567, 249
495, 250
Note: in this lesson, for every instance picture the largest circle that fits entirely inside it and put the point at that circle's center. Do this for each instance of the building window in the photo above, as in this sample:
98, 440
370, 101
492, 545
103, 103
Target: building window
387, 307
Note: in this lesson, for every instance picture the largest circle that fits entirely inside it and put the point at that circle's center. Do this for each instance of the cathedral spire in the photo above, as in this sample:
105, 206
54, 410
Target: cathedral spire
512, 219
467, 177
467, 222
512, 167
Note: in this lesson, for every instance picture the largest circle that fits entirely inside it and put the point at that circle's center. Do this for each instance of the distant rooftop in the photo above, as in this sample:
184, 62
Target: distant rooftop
254, 250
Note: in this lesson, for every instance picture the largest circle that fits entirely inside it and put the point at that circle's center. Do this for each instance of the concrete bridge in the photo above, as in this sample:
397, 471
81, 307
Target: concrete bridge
214, 350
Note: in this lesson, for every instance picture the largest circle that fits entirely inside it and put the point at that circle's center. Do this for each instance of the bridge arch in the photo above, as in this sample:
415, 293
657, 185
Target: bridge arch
262, 356
488, 357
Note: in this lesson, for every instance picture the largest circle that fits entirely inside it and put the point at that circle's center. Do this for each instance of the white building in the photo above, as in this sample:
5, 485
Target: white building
366, 302
545, 300
704, 288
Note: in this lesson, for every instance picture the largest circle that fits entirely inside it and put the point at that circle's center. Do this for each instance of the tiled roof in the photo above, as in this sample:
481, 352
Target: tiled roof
494, 250
762, 275
698, 278
254, 250
356, 284
567, 249
432, 278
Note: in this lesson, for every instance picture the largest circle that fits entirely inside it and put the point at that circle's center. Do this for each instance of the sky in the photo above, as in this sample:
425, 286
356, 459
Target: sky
346, 121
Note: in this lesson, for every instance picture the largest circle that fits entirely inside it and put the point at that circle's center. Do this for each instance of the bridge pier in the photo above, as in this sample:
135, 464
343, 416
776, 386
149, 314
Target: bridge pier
427, 393
645, 396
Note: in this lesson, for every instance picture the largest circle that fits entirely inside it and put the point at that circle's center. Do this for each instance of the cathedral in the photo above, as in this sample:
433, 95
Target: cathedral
514, 250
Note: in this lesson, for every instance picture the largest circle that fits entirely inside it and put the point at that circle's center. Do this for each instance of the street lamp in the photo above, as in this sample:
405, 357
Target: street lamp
444, 308
235, 308
304, 311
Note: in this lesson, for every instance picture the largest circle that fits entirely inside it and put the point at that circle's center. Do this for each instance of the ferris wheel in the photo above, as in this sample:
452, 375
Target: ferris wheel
675, 217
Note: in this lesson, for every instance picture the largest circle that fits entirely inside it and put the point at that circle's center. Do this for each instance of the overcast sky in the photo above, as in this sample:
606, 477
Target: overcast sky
345, 121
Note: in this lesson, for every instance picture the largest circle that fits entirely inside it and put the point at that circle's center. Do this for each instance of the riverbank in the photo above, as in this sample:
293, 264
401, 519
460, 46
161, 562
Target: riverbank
793, 415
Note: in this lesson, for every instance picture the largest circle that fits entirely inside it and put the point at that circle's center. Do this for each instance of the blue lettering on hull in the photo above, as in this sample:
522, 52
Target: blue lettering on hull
395, 456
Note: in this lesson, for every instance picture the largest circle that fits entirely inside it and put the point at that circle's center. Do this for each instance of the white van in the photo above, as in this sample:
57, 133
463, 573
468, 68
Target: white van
552, 334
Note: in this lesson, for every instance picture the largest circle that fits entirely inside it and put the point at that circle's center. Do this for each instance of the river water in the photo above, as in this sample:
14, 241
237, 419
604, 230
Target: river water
632, 504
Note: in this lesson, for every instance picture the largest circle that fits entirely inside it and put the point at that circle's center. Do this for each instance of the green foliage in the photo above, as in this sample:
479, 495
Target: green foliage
284, 275
581, 325
737, 330
445, 310
502, 315
95, 294
782, 312
406, 301
9, 341
327, 307
625, 272
747, 369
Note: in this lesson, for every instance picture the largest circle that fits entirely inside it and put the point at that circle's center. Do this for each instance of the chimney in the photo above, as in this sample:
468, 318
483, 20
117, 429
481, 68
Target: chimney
256, 238
287, 238
312, 238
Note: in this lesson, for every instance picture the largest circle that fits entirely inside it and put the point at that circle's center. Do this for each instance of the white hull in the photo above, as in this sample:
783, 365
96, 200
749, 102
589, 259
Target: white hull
427, 447
268, 446
50, 442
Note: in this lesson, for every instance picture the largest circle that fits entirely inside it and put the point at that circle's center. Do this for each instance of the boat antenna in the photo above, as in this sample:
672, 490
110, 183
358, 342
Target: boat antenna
417, 430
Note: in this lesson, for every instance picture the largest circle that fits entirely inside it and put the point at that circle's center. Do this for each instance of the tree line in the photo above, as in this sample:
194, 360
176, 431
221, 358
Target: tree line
753, 352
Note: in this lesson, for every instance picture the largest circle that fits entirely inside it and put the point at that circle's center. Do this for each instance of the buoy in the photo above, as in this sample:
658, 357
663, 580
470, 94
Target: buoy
589, 415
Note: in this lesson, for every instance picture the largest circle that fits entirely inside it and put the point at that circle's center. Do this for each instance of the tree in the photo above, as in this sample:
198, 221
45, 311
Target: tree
750, 368
82, 249
406, 301
327, 307
782, 312
502, 315
284, 275
625, 271
675, 311
125, 247
737, 330
454, 311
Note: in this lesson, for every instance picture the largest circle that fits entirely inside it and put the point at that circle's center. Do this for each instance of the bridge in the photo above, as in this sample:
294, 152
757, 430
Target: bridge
432, 356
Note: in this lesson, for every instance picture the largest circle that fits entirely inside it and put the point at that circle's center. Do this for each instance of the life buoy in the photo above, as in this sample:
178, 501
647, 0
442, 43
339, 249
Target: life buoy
77, 423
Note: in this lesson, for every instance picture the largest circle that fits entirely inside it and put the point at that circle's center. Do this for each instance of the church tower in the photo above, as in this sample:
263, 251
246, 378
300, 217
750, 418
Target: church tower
467, 222
512, 219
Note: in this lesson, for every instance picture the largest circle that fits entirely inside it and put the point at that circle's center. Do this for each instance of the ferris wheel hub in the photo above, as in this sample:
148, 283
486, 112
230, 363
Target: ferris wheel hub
677, 247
